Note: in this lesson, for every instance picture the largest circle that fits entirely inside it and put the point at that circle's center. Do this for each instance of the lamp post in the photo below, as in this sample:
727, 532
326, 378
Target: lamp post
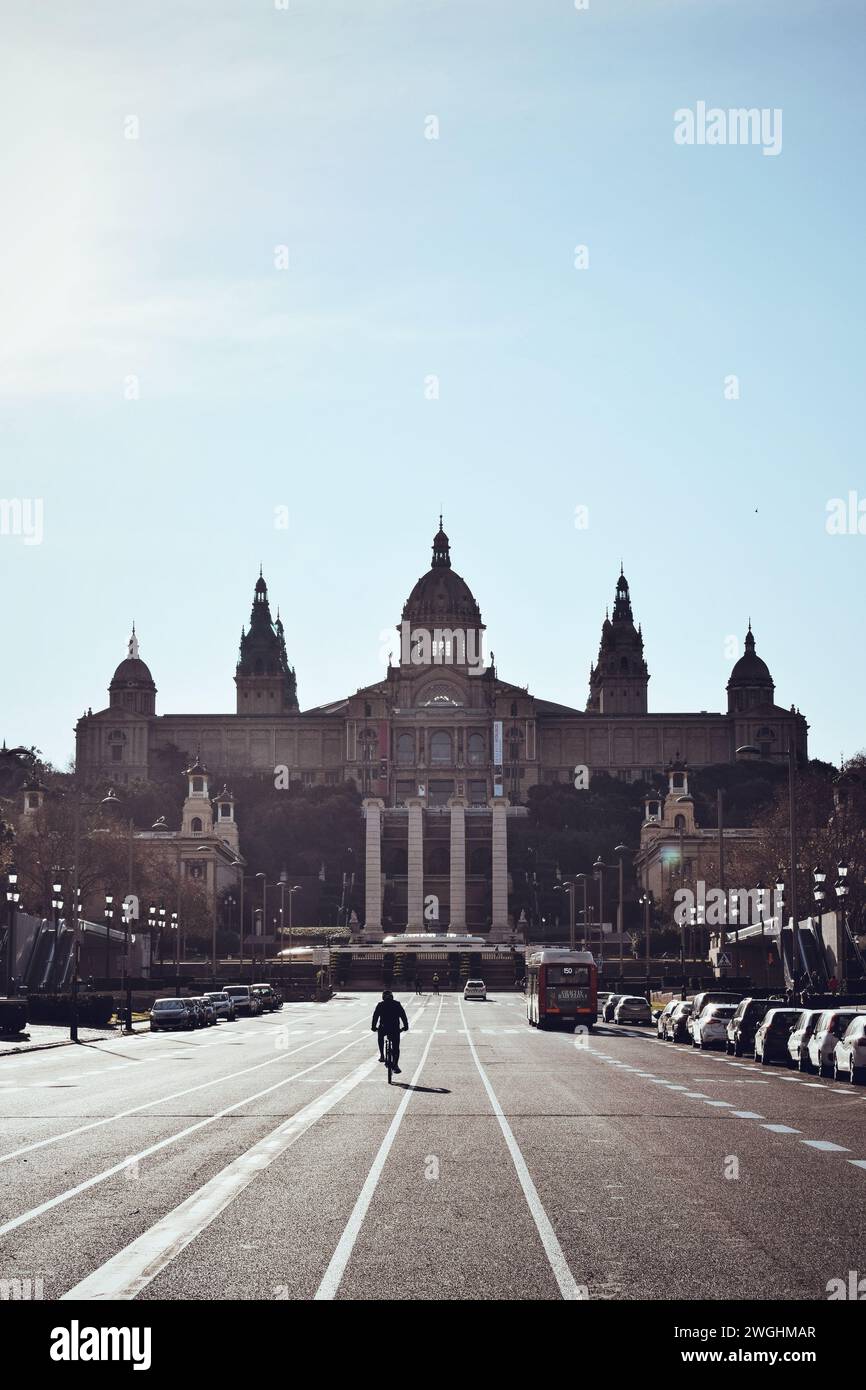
13, 897
583, 879
646, 901
599, 868
619, 851
749, 748
57, 908
109, 914
206, 849
568, 888
842, 890
264, 880
292, 892
175, 927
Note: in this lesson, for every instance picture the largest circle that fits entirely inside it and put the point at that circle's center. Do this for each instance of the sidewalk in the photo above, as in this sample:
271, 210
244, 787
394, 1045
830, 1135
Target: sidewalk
37, 1036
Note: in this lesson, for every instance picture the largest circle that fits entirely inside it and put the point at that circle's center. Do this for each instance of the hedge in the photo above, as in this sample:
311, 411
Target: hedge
94, 1010
13, 1015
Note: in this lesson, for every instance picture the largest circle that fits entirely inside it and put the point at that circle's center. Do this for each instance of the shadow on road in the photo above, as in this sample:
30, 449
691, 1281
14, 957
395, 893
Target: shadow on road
423, 1090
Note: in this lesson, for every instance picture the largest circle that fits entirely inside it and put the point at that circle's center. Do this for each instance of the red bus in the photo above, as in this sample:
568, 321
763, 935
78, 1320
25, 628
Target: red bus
562, 989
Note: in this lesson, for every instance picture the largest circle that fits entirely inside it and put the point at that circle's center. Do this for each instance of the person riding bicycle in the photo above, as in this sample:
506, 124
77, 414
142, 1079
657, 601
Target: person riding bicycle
389, 1021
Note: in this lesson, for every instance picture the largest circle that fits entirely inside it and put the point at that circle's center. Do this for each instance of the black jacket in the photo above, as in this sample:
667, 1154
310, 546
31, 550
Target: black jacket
389, 1015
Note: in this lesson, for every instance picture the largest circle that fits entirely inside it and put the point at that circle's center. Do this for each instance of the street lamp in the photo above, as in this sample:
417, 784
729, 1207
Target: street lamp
109, 913
646, 901
619, 851
264, 879
568, 888
749, 748
57, 908
12, 899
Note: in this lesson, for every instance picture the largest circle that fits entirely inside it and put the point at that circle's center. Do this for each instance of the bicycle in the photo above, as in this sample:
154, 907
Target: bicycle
389, 1059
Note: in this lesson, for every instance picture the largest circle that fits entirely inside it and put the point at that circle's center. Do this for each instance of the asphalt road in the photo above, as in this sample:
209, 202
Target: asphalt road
269, 1159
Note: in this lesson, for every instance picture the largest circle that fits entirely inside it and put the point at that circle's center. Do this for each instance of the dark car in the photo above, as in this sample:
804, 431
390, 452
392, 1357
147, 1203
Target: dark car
774, 1030
171, 1013
745, 1023
676, 1023
271, 1000
609, 1007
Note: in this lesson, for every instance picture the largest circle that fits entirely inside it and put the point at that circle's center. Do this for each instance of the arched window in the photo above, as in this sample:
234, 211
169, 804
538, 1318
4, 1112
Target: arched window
477, 749
513, 708
440, 749
196, 825
679, 823
406, 749
438, 860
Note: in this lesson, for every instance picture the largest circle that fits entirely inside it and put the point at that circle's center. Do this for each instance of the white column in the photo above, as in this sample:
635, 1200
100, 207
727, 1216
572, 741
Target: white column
457, 805
499, 869
373, 809
415, 857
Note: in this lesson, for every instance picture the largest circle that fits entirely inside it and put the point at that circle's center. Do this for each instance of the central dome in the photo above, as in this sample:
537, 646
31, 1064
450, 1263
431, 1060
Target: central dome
441, 598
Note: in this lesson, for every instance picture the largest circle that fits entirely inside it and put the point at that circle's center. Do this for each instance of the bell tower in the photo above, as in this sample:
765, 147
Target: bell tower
265, 682
197, 818
618, 680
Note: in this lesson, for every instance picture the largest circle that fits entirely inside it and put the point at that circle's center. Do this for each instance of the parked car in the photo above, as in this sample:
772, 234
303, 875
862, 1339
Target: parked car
849, 1058
609, 1005
708, 1027
171, 1013
745, 1022
664, 1015
676, 1025
204, 1010
632, 1008
712, 996
798, 1040
829, 1029
773, 1032
271, 1000
244, 1000
602, 997
223, 1006
475, 989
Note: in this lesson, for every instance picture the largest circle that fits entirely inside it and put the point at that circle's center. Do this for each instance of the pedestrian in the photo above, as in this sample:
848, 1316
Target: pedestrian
417, 984
832, 984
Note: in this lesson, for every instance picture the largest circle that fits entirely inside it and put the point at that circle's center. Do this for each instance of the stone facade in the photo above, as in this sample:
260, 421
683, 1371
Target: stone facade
441, 724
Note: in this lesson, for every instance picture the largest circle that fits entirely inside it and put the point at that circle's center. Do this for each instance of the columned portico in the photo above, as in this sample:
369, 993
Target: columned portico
499, 869
415, 865
373, 809
457, 806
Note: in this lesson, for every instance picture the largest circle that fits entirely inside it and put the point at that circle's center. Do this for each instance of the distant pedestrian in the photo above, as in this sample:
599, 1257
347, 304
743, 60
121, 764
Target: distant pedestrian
417, 984
832, 984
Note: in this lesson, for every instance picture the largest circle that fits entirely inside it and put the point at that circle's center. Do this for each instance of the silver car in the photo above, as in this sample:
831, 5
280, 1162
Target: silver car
223, 1006
632, 1008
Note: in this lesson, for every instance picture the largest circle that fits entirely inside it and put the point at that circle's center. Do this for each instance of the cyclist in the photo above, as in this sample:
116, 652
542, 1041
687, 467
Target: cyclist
436, 983
389, 1021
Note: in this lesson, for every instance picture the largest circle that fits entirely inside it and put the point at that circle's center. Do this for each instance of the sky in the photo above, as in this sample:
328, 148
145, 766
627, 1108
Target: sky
281, 281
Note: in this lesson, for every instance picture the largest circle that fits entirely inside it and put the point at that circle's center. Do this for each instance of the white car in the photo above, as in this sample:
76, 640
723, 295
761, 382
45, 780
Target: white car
828, 1031
632, 1008
223, 1006
849, 1059
475, 989
798, 1040
709, 1028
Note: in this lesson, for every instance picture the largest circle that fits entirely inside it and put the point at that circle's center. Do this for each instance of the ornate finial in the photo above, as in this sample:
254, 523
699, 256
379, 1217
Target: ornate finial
132, 649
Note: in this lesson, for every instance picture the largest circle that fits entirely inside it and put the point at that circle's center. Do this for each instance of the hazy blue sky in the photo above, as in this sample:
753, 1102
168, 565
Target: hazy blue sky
154, 259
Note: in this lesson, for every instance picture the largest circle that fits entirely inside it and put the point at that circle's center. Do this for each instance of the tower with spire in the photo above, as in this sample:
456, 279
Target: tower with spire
618, 680
265, 681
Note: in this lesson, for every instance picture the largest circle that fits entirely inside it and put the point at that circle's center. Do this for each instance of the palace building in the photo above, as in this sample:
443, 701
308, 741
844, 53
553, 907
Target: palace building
441, 748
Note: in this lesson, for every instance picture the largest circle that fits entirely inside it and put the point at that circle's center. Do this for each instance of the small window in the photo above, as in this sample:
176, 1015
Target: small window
196, 825
198, 784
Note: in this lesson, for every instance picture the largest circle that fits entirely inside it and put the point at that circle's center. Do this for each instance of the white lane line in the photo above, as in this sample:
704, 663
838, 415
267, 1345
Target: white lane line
332, 1278
160, 1100
132, 1269
85, 1186
825, 1146
857, 1162
747, 1114
568, 1286
780, 1129
725, 1103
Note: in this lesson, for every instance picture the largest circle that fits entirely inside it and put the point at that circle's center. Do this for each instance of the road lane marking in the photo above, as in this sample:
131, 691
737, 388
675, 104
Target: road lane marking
132, 1269
568, 1286
131, 1159
161, 1100
858, 1162
825, 1146
780, 1129
333, 1276
747, 1114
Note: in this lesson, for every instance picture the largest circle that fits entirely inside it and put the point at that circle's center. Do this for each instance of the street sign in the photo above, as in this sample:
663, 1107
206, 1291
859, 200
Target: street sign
724, 959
